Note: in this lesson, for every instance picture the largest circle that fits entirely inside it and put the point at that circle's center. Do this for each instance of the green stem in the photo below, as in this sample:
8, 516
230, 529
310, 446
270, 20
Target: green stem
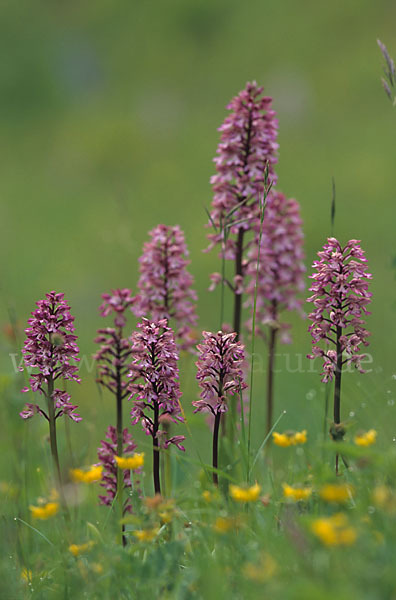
270, 377
120, 444
215, 450
53, 442
337, 386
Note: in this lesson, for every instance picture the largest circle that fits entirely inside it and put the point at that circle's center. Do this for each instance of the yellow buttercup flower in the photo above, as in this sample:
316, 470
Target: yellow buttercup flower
26, 575
46, 511
77, 549
336, 492
385, 498
146, 535
300, 437
296, 494
223, 524
289, 438
130, 462
365, 439
240, 494
90, 475
207, 496
334, 531
282, 439
261, 572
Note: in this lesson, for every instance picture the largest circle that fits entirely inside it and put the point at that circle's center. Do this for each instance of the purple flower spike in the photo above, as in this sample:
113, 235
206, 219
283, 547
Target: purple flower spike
113, 357
50, 347
220, 371
165, 284
281, 269
154, 385
247, 145
340, 296
106, 454
154, 374
118, 302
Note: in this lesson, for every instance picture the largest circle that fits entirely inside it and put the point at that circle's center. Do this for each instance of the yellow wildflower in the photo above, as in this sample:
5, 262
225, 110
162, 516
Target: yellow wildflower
384, 497
282, 439
26, 575
97, 568
90, 475
296, 494
336, 492
300, 437
146, 535
207, 496
77, 549
365, 439
46, 511
223, 524
130, 462
266, 568
334, 531
153, 502
250, 494
289, 438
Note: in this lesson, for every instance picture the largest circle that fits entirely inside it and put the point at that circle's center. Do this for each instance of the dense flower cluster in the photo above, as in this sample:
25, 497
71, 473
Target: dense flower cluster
281, 268
340, 296
113, 357
50, 347
154, 379
247, 145
165, 284
118, 302
107, 453
220, 371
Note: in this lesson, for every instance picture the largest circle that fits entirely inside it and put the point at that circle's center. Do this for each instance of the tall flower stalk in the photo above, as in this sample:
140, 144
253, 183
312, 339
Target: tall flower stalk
276, 277
113, 359
165, 290
154, 386
247, 145
107, 452
50, 348
220, 374
340, 296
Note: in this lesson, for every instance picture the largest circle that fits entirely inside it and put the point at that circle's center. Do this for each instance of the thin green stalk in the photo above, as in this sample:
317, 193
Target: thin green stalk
270, 376
267, 187
265, 441
54, 444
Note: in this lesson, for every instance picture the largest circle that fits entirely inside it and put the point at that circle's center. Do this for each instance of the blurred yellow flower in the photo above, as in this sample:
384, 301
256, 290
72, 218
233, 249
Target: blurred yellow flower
240, 494
77, 549
146, 535
207, 496
365, 439
97, 568
130, 462
336, 492
262, 571
282, 439
334, 531
296, 494
26, 575
300, 437
289, 438
46, 511
385, 497
223, 524
90, 475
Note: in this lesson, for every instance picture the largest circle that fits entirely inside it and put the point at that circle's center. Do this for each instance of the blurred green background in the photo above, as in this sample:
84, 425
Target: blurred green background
108, 114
